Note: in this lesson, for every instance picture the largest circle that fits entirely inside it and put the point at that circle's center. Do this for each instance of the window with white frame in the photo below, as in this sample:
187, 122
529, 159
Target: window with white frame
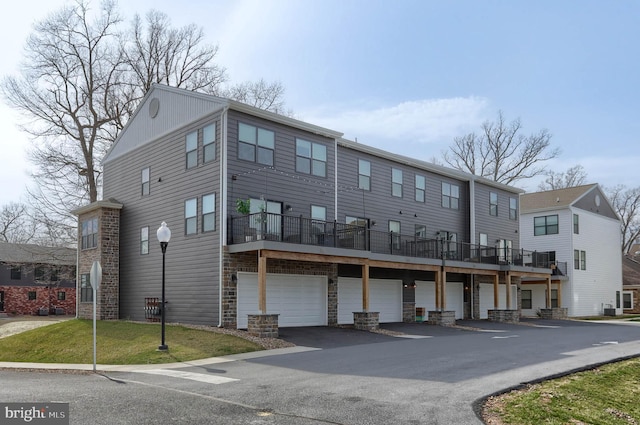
190, 216
421, 188
526, 297
364, 174
209, 143
484, 239
579, 259
191, 148
450, 195
545, 225
576, 224
396, 182
627, 299
493, 203
311, 158
318, 218
144, 240
421, 231
513, 209
145, 181
256, 144
209, 212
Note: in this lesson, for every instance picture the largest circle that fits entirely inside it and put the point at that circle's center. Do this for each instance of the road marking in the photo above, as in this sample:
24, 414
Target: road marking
201, 377
505, 337
606, 343
546, 326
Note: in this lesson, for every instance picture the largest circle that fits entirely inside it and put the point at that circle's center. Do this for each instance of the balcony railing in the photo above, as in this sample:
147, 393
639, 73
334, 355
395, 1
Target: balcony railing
305, 231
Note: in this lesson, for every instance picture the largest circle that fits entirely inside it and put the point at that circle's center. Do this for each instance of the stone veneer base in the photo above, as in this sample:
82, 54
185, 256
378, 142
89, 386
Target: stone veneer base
366, 320
555, 313
504, 316
263, 325
442, 318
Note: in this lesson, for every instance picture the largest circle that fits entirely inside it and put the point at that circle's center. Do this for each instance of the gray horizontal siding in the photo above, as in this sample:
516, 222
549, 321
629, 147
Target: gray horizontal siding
495, 227
280, 183
378, 205
191, 261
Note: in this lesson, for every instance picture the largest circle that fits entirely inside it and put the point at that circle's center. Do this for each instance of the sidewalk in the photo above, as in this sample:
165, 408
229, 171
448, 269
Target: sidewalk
142, 367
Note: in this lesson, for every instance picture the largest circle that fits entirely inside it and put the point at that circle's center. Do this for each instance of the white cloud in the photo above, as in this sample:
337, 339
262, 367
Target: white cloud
426, 121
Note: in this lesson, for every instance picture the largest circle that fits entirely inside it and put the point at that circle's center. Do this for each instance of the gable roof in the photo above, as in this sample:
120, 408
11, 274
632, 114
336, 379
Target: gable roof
36, 254
153, 119
553, 199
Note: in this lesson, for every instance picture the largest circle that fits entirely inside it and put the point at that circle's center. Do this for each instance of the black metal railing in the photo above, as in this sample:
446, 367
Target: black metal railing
306, 231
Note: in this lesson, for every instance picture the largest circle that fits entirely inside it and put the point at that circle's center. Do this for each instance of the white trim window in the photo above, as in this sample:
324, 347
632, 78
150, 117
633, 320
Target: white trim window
144, 240
191, 216
191, 149
627, 300
396, 182
145, 181
256, 144
209, 212
493, 204
513, 209
364, 174
209, 143
450, 196
311, 158
421, 188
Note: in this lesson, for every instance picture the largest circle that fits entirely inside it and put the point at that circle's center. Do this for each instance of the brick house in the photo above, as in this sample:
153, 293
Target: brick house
37, 280
279, 222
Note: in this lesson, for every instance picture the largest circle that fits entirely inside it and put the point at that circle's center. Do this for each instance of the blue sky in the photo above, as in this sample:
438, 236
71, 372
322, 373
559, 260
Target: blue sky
409, 76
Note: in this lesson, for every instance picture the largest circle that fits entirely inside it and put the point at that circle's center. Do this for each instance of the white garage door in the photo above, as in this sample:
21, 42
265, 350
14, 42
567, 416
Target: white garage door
300, 300
426, 297
385, 297
486, 298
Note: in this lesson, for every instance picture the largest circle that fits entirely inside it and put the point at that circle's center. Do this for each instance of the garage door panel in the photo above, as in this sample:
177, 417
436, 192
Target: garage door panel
299, 300
426, 297
385, 297
486, 298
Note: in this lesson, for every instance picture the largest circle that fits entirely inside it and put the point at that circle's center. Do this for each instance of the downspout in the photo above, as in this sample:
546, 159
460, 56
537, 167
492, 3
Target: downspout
472, 211
472, 234
223, 212
335, 179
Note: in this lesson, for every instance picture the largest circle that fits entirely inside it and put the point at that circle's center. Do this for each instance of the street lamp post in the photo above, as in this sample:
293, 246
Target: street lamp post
164, 234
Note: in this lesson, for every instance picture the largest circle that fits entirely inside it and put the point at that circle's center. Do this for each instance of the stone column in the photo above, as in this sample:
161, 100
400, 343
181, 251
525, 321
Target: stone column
107, 252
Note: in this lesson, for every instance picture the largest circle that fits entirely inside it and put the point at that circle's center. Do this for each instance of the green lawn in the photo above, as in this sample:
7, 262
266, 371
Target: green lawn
118, 342
607, 395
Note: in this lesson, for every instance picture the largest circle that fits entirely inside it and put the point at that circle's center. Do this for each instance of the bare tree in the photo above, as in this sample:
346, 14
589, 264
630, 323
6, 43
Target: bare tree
626, 203
574, 176
81, 80
68, 94
155, 52
501, 152
260, 94
16, 225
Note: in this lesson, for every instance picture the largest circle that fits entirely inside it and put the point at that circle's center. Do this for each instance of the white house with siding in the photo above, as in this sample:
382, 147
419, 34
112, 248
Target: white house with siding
582, 231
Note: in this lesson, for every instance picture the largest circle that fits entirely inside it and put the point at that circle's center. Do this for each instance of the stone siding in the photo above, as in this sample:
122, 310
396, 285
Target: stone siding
108, 254
366, 320
504, 316
442, 318
555, 313
408, 312
263, 325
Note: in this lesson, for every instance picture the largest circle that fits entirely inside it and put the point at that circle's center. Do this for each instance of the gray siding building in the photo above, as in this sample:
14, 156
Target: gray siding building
278, 222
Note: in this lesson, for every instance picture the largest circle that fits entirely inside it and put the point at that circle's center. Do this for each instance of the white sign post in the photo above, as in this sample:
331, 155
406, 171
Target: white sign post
95, 278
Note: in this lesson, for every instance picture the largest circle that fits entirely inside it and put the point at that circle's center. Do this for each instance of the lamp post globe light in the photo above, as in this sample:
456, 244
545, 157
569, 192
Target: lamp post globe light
163, 234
